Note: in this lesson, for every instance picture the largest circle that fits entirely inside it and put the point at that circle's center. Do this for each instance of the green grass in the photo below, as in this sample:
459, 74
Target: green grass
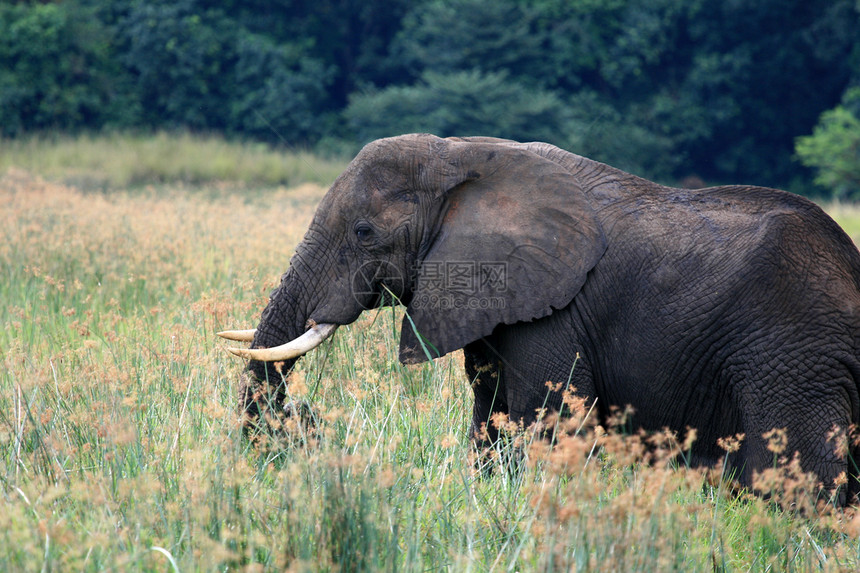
848, 217
120, 445
122, 160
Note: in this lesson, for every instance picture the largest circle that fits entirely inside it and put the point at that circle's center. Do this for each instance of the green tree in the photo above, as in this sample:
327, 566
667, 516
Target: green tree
602, 131
593, 67
181, 59
833, 149
763, 72
447, 36
280, 92
664, 88
461, 103
57, 70
350, 39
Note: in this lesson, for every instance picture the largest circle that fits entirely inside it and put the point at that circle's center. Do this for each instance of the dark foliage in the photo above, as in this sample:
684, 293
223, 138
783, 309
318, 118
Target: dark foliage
666, 88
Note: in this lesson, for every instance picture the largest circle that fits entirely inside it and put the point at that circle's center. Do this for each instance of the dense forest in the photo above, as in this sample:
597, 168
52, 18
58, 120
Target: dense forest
713, 90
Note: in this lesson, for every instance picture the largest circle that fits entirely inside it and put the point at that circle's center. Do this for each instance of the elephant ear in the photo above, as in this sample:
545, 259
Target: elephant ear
518, 237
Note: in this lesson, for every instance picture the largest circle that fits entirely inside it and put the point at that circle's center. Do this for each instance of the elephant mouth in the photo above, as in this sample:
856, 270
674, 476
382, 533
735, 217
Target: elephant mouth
387, 296
378, 283
312, 338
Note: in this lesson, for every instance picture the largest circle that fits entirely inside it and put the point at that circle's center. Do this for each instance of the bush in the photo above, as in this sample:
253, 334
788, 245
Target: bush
833, 149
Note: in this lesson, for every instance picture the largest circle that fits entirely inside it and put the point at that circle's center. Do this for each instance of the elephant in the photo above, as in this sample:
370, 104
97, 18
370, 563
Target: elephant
729, 310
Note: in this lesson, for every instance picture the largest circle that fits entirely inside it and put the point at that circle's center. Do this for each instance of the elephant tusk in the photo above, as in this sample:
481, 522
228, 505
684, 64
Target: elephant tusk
238, 335
293, 349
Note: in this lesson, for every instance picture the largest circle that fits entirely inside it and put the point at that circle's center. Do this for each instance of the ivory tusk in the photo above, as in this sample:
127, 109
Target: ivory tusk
293, 349
238, 335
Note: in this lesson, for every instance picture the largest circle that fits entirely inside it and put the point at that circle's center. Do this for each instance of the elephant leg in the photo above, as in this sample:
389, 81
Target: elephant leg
482, 370
817, 428
825, 450
520, 370
758, 455
540, 360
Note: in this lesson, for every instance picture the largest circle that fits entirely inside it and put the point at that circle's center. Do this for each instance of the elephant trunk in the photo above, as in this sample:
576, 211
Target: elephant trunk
278, 341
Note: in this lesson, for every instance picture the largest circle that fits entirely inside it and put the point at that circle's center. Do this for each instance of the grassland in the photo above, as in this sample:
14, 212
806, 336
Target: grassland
120, 448
120, 161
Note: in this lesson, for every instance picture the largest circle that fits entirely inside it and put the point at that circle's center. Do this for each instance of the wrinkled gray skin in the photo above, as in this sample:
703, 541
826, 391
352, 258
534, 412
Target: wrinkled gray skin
729, 309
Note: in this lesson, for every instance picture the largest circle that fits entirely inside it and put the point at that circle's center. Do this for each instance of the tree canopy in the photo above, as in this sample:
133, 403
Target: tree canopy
834, 148
664, 88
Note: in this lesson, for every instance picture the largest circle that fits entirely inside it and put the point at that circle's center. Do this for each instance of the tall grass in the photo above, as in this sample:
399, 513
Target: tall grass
122, 160
121, 450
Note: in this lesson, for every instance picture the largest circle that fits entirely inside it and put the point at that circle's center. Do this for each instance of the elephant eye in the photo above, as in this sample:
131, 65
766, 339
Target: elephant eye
363, 231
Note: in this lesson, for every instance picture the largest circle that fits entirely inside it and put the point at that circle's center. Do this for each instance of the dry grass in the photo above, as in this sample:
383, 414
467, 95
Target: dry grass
120, 449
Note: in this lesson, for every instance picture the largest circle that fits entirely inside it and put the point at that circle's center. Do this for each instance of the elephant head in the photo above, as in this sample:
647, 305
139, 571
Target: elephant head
468, 234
